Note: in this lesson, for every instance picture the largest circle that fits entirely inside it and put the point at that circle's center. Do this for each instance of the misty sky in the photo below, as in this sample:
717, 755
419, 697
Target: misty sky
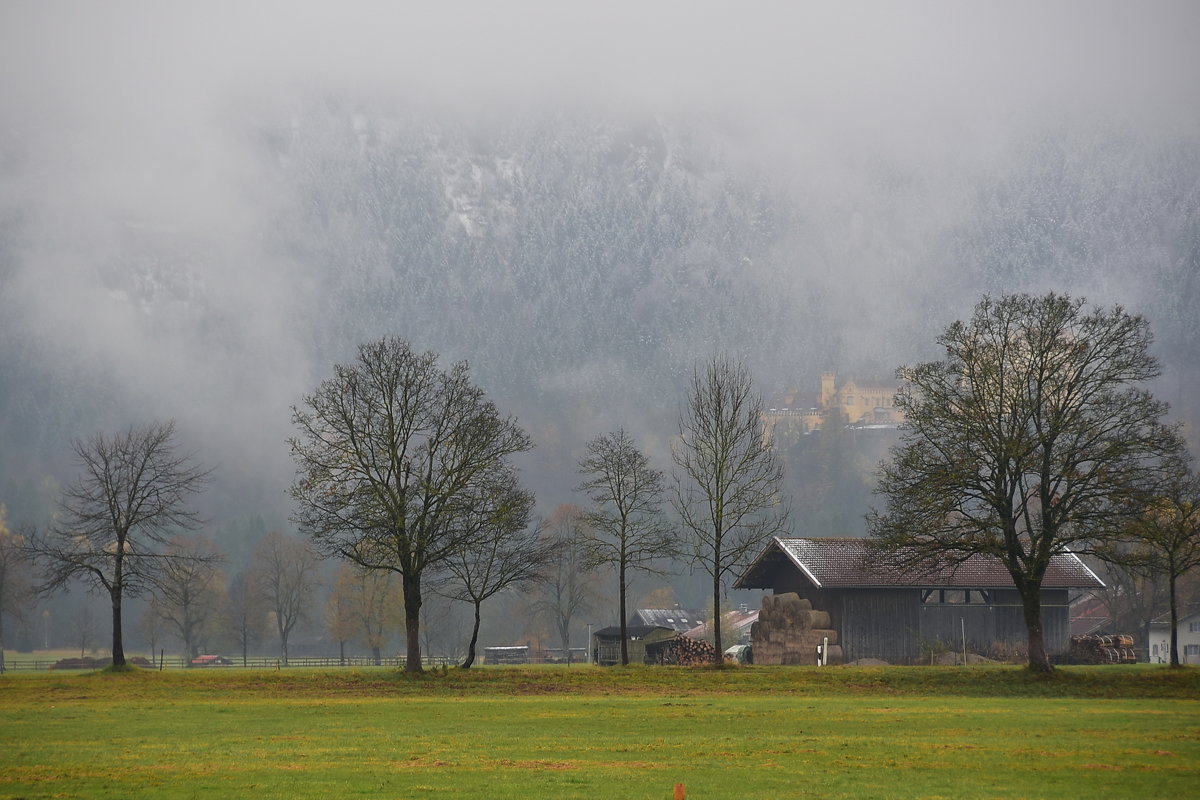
144, 89
138, 112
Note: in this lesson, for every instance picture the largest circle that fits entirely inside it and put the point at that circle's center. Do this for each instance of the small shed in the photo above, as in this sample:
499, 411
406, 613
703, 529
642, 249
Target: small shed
881, 612
516, 654
648, 644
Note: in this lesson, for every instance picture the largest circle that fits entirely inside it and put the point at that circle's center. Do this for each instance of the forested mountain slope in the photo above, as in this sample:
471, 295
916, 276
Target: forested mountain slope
581, 263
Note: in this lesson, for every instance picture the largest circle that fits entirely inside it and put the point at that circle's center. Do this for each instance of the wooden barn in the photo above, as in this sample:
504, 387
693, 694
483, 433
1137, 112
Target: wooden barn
648, 644
900, 617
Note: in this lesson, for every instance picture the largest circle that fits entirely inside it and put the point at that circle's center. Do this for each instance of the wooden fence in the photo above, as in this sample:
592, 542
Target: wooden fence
257, 662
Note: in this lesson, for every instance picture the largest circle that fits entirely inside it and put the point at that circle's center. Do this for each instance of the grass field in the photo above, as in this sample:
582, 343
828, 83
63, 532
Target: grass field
758, 732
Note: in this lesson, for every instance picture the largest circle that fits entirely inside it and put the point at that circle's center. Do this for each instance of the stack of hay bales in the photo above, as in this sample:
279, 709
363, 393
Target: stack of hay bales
1115, 649
789, 631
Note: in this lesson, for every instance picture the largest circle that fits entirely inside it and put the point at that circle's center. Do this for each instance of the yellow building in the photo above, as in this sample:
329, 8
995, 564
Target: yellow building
853, 402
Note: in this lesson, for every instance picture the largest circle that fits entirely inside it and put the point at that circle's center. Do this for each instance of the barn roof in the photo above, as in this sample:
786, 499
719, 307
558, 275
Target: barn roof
851, 563
677, 619
632, 631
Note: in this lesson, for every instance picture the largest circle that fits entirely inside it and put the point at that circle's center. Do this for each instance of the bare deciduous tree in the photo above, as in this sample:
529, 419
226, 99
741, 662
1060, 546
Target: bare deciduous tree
285, 571
189, 590
568, 582
83, 627
726, 486
244, 612
364, 605
1029, 439
132, 495
151, 626
15, 588
341, 621
503, 553
1166, 537
627, 525
391, 453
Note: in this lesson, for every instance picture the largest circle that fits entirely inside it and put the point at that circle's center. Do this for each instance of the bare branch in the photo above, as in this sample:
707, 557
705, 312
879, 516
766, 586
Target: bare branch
131, 496
1028, 440
726, 488
394, 457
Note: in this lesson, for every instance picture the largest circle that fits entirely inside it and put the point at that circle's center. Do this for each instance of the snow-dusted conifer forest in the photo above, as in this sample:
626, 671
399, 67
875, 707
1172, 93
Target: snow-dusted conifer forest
198, 221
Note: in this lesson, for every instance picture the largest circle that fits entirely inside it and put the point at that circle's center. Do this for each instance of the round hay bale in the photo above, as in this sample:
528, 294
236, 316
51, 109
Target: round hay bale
787, 611
802, 620
792, 602
834, 656
802, 603
821, 633
820, 619
768, 603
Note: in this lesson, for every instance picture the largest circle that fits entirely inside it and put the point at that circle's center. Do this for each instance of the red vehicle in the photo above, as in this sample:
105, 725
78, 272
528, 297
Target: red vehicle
210, 661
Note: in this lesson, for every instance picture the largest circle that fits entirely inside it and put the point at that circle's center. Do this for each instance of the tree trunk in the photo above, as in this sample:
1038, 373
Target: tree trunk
624, 632
1031, 603
412, 622
470, 659
1174, 621
118, 645
283, 637
718, 655
564, 635
1, 642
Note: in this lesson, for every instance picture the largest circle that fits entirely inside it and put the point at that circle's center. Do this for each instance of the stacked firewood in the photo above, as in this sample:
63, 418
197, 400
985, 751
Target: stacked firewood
1114, 649
789, 631
692, 652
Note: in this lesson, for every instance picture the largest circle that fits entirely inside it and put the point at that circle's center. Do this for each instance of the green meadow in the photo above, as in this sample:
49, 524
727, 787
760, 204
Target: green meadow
494, 732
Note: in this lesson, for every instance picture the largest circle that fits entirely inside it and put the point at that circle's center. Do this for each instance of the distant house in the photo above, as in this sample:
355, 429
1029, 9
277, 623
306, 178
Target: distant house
680, 620
648, 644
1159, 646
650, 631
897, 616
853, 401
1090, 616
735, 627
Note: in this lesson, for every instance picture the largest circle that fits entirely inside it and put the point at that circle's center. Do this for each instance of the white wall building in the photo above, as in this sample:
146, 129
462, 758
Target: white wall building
1189, 639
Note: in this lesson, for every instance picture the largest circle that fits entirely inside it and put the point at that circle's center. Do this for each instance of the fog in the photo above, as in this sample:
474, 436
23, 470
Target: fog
168, 170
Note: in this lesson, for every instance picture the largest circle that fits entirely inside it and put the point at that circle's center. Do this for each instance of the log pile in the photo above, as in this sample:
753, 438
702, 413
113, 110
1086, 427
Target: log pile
789, 631
692, 652
1115, 649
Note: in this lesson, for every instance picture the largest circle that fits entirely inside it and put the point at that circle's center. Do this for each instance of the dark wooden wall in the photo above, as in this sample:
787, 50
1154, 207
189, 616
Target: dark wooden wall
877, 623
894, 625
